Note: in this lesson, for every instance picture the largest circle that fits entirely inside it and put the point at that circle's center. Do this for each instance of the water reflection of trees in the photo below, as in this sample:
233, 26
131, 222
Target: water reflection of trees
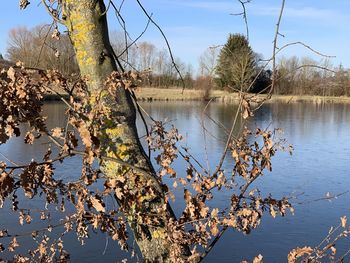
304, 120
300, 121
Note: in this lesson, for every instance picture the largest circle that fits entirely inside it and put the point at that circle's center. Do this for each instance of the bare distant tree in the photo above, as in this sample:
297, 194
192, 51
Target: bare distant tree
161, 59
39, 47
208, 61
19, 44
146, 53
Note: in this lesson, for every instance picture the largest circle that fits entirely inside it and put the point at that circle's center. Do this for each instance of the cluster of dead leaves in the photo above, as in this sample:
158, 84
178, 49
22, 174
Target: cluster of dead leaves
165, 142
126, 80
252, 155
88, 119
20, 101
21, 96
326, 250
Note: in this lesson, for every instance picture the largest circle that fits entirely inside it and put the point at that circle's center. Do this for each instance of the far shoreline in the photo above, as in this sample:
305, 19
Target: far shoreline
177, 94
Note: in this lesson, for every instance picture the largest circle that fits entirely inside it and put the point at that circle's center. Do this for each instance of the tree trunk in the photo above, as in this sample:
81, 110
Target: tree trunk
87, 26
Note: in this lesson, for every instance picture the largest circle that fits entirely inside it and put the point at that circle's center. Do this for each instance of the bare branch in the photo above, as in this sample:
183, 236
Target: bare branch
275, 46
244, 15
166, 41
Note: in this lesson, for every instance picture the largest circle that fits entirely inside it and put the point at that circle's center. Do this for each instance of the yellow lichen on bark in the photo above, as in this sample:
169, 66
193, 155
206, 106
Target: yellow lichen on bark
160, 233
112, 170
115, 131
81, 36
122, 149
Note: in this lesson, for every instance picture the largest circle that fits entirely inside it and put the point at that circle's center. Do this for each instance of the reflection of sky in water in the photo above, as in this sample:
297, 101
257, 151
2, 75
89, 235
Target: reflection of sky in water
320, 163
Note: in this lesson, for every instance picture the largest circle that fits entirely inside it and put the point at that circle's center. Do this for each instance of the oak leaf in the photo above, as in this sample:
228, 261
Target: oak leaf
13, 245
97, 204
11, 74
298, 252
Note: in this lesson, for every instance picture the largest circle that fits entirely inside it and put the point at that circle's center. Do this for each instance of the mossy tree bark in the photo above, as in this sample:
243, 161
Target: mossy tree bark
87, 25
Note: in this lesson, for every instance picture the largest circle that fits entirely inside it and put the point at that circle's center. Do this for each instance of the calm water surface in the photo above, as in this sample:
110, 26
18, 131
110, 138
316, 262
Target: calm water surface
320, 163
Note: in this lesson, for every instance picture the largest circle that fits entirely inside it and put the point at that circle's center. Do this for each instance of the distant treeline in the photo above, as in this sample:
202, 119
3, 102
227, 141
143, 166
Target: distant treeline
232, 67
306, 76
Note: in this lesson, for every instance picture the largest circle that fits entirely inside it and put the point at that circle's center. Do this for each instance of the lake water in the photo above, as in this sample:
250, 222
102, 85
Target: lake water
320, 163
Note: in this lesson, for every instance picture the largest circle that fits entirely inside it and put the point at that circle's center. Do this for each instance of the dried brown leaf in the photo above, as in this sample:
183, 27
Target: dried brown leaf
344, 221
97, 204
258, 259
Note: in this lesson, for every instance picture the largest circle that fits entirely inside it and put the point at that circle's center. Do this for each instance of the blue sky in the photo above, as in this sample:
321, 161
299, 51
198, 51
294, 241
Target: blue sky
193, 25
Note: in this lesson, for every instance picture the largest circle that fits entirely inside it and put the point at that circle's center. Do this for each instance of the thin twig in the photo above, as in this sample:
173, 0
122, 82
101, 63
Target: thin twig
212, 244
105, 12
275, 46
244, 15
50, 12
228, 141
42, 46
204, 134
306, 46
167, 44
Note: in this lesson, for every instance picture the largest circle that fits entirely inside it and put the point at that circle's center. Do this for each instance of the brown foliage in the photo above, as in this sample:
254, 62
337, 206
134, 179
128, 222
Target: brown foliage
199, 223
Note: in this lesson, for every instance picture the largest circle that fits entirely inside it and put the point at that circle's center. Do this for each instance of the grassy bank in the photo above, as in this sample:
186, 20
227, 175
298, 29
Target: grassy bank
150, 94
176, 94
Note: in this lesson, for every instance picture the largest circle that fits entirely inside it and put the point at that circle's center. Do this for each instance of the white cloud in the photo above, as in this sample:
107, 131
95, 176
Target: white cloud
294, 12
310, 12
228, 7
218, 6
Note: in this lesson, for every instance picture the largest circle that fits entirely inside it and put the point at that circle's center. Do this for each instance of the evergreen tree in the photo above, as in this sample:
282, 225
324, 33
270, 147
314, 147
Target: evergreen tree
236, 64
